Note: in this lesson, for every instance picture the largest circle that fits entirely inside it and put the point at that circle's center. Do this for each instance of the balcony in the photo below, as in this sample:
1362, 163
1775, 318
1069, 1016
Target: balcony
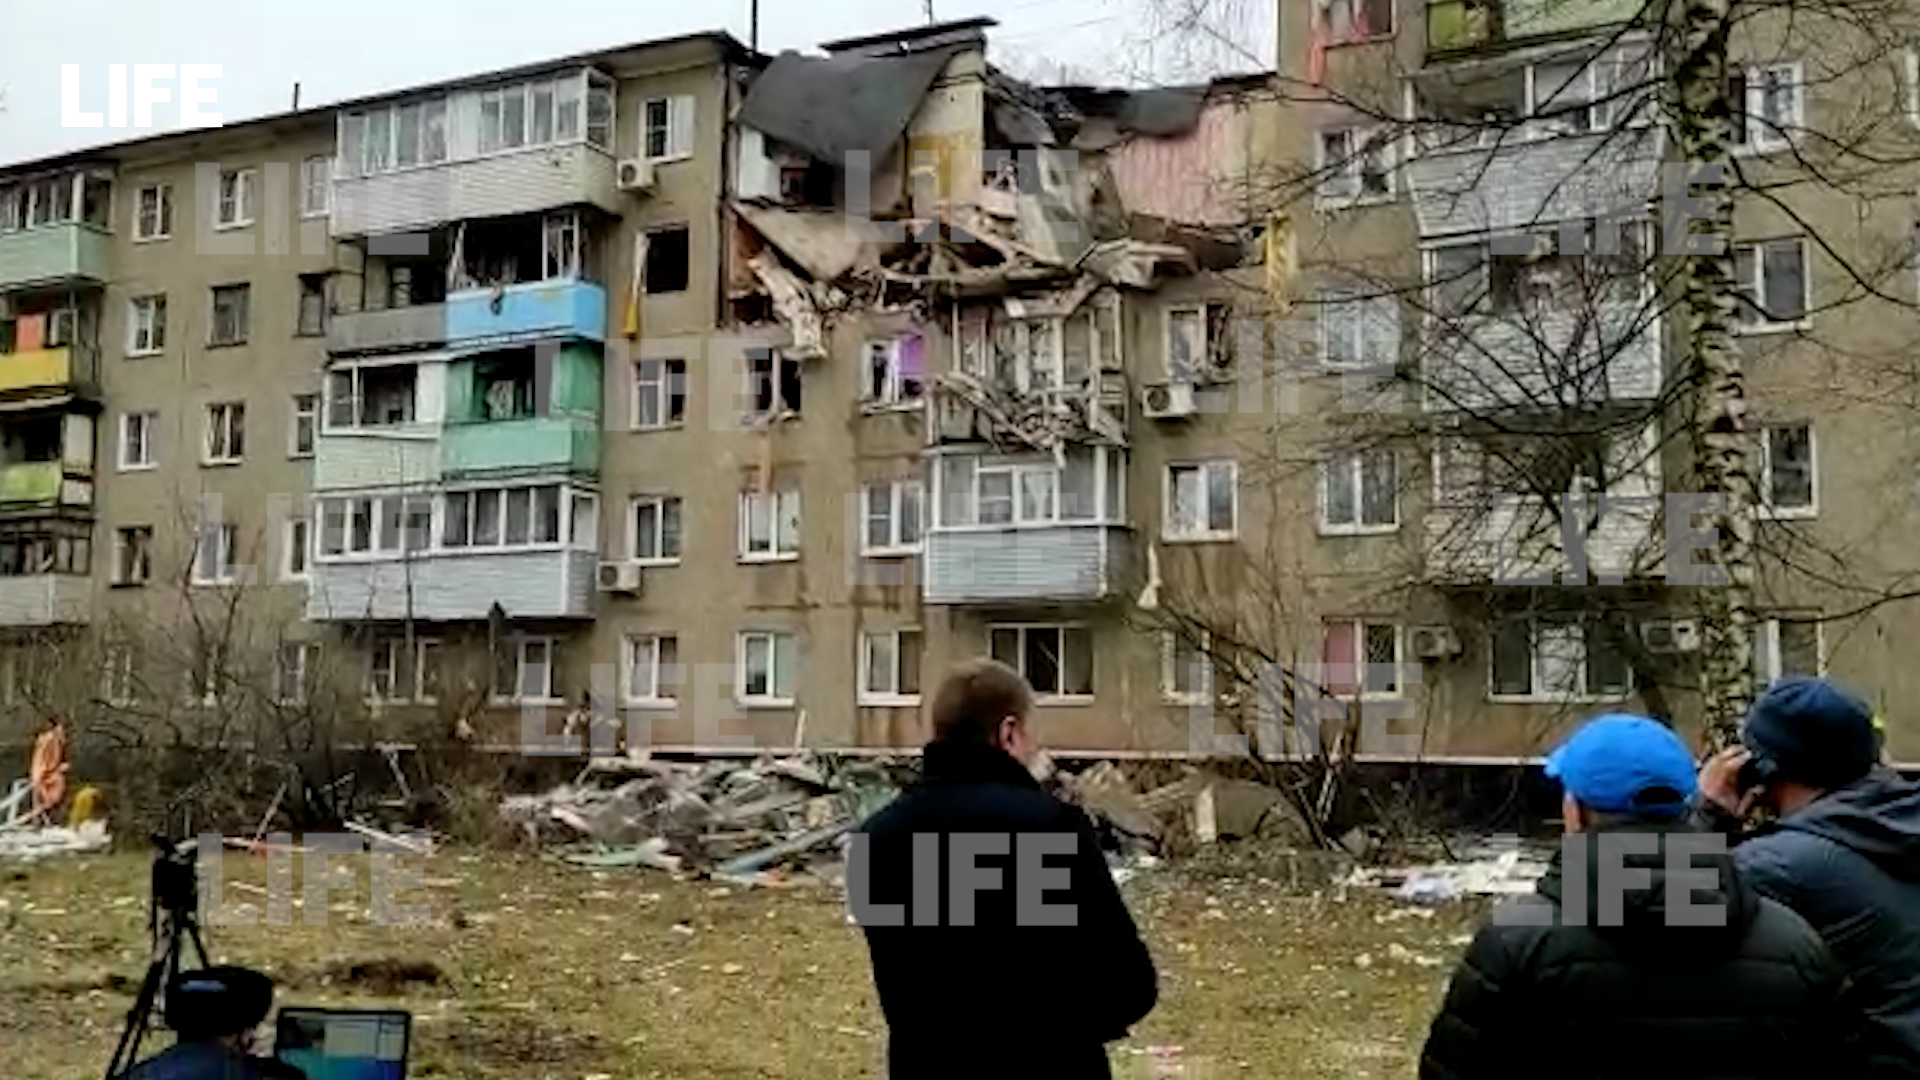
538, 584
531, 311
391, 330
535, 446
1065, 563
36, 370
1529, 175
1464, 26
498, 185
37, 484
400, 456
45, 599
1485, 363
63, 254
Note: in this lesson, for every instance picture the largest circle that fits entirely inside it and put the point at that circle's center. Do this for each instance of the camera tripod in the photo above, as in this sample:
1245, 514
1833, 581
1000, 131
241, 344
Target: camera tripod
173, 922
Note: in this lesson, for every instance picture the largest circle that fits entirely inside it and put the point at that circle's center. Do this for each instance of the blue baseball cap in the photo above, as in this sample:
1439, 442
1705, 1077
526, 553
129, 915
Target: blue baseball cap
1624, 764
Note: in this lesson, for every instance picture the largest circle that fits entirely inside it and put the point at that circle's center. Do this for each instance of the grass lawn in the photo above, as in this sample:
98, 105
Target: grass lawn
548, 970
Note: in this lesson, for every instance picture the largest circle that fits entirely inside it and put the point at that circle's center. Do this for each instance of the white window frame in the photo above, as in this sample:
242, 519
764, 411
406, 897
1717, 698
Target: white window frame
664, 678
784, 506
244, 332
680, 126
226, 423
233, 209
1174, 530
226, 537
149, 422
897, 494
1360, 626
1538, 695
304, 651
893, 394
659, 502
1910, 60
147, 325
309, 415
521, 645
662, 389
1354, 460
772, 698
357, 398
1766, 645
1331, 190
162, 213
296, 537
316, 186
1765, 504
1365, 317
868, 695
1054, 697
141, 571
1034, 374
1761, 323
1169, 669
1767, 137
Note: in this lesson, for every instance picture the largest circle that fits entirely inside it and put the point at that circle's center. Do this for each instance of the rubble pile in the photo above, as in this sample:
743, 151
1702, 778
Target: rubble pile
749, 821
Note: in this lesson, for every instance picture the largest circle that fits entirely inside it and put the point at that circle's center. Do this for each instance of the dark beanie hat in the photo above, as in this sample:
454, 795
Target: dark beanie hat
217, 1001
1814, 732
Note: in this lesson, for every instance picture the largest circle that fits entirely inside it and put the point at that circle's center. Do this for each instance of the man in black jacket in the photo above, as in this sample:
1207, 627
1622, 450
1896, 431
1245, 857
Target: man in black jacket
1612, 973
1844, 852
1043, 965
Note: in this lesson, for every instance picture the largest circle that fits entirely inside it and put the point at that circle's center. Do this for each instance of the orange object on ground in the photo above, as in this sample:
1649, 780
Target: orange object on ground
48, 772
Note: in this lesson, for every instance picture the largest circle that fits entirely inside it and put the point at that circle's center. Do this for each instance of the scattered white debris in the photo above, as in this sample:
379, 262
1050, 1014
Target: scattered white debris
28, 845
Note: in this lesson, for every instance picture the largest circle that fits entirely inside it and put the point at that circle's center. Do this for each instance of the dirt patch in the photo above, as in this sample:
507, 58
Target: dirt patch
383, 976
518, 1040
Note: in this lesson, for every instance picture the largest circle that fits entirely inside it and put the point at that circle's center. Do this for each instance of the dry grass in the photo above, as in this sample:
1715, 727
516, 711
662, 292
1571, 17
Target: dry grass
528, 969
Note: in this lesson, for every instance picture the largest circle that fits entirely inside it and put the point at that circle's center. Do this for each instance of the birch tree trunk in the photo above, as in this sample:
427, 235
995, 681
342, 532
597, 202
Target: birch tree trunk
1700, 118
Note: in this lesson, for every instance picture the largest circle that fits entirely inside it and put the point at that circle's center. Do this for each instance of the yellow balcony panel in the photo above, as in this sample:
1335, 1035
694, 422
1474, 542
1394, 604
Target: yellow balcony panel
36, 369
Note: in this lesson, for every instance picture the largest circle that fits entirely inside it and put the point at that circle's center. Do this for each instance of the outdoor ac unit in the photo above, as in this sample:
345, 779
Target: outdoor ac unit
1435, 642
1670, 635
620, 577
635, 174
1167, 401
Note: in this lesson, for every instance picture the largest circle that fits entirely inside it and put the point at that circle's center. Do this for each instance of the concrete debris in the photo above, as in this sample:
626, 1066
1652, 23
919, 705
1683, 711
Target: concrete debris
1494, 869
1198, 809
29, 845
741, 822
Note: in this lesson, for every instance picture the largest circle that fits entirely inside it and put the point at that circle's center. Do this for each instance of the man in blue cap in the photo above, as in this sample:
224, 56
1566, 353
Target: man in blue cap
1642, 953
1843, 851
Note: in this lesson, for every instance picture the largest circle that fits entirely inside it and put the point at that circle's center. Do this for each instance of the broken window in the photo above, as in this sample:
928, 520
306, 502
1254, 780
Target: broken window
1786, 465
1354, 163
669, 252
1057, 661
1557, 660
896, 370
773, 382
313, 305
371, 395
506, 383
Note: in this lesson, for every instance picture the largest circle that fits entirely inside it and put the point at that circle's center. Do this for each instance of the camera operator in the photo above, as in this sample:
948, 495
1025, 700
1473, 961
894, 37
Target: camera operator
1844, 851
215, 1012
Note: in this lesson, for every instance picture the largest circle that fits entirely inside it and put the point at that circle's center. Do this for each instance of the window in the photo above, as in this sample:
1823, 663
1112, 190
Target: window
230, 315
290, 672
393, 137
599, 112
894, 511
770, 524
1557, 660
153, 212
669, 253
216, 553
1360, 492
1359, 655
1772, 281
890, 667
234, 207
1202, 502
118, 676
564, 252
1056, 660
393, 675
766, 664
1771, 100
226, 433
1199, 342
1355, 165
316, 186
1788, 646
132, 554
656, 529
312, 318
136, 440
492, 518
1788, 479
1186, 670
146, 325
300, 434
1458, 279
1360, 332
667, 131
371, 395
533, 670
768, 391
1029, 491
659, 393
653, 668
896, 370
1348, 21
297, 549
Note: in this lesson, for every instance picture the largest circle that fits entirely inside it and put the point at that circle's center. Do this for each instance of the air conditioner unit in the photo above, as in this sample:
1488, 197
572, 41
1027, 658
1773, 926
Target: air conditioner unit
1435, 642
620, 577
634, 174
1670, 635
1167, 401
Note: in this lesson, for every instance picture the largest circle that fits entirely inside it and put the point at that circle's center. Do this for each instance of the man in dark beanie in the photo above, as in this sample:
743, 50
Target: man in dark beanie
214, 1012
1843, 851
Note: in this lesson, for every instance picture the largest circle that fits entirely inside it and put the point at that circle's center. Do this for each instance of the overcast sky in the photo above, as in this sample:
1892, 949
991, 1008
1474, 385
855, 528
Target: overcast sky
348, 48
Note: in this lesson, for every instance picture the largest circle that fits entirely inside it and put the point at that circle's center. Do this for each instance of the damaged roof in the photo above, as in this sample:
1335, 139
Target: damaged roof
831, 106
